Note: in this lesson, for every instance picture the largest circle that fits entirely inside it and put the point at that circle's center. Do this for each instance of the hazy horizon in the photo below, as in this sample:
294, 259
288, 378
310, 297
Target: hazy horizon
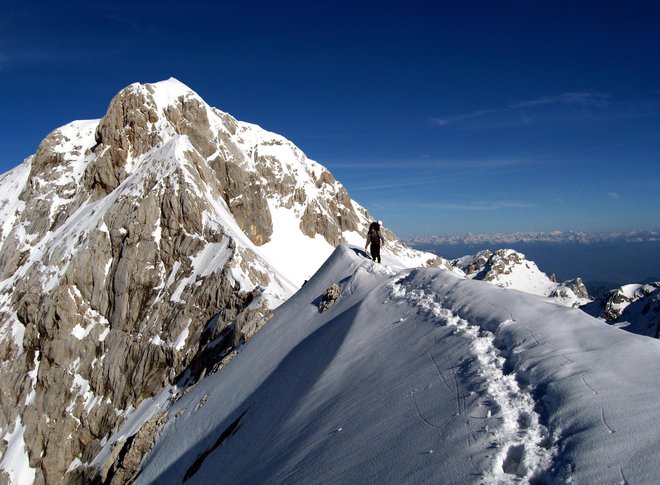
653, 232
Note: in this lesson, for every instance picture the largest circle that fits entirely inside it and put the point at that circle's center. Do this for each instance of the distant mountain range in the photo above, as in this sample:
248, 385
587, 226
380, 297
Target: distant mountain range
559, 237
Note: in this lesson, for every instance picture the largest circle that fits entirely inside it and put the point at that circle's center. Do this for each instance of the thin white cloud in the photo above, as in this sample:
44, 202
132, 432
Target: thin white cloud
402, 184
31, 57
478, 205
614, 195
466, 116
432, 164
570, 99
123, 20
564, 106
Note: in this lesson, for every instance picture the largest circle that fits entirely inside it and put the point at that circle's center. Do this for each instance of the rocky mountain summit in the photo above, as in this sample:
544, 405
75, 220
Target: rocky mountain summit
137, 252
507, 268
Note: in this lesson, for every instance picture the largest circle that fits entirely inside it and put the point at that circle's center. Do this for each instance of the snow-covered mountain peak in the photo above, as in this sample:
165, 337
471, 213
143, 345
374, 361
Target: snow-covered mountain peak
620, 299
145, 246
507, 268
167, 92
633, 307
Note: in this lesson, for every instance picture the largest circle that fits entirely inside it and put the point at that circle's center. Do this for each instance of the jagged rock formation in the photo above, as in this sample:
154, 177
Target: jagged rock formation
570, 289
510, 269
634, 307
137, 251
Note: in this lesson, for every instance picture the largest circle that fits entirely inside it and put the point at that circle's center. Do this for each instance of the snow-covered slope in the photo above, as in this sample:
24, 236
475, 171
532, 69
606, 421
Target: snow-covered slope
143, 246
419, 376
507, 268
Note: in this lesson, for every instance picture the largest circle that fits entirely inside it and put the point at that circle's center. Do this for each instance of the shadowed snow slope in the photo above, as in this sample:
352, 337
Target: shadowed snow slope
419, 376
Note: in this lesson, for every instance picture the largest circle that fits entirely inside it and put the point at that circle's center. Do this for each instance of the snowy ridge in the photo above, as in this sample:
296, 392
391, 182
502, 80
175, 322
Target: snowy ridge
419, 376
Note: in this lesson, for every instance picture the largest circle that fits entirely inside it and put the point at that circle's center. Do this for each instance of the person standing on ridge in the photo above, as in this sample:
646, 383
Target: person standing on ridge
375, 239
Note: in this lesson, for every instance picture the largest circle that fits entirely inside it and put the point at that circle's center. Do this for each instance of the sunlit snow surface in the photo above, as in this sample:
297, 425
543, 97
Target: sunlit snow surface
420, 376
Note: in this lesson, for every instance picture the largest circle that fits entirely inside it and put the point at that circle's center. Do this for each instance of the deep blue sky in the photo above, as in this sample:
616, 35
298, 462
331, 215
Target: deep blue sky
439, 117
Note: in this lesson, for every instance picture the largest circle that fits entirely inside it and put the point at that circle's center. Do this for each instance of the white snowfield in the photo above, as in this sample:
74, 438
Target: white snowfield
420, 376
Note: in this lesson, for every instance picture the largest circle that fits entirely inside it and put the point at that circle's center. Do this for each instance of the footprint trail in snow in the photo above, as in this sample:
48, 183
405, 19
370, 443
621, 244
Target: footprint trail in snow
517, 438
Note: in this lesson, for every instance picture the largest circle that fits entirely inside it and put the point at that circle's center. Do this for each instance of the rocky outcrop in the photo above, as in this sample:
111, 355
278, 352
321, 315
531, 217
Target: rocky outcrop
127, 455
329, 298
618, 300
570, 290
127, 131
509, 269
490, 266
474, 265
578, 287
634, 307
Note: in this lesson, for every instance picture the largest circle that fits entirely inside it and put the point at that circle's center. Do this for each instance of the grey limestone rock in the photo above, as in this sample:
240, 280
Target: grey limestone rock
126, 130
128, 454
578, 287
244, 195
329, 298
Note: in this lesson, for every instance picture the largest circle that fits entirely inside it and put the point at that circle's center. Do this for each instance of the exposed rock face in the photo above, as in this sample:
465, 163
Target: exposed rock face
476, 264
569, 290
126, 131
578, 287
133, 257
510, 269
128, 453
618, 300
490, 266
245, 198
